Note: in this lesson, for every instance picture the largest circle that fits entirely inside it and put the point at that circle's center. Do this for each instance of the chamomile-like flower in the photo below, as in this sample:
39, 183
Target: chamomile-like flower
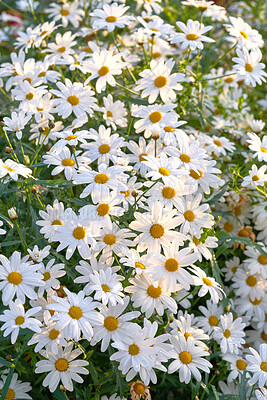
230, 333
110, 17
192, 36
208, 284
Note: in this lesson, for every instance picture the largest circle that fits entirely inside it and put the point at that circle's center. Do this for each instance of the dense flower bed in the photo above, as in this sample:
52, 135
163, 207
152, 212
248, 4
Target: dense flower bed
133, 201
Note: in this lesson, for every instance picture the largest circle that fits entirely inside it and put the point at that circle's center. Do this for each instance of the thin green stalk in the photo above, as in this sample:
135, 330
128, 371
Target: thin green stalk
125, 88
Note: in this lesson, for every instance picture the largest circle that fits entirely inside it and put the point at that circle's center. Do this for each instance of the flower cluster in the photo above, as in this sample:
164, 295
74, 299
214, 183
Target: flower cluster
133, 200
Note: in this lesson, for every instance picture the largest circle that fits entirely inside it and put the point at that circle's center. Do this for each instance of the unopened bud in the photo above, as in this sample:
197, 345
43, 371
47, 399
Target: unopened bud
8, 150
12, 213
27, 160
51, 124
62, 388
134, 193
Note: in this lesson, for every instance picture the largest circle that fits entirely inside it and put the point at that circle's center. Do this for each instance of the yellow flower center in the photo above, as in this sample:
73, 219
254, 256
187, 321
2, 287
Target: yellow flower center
19, 320
171, 265
187, 335
160, 81
61, 49
15, 278
157, 54
255, 178
68, 162
156, 231
139, 265
234, 269
262, 259
101, 178
139, 388
241, 365
75, 312
191, 36
228, 227
244, 34
155, 117
248, 67
256, 302
73, 100
263, 150
103, 71
8, 168
207, 281
229, 80
46, 276
153, 291
79, 233
189, 216
109, 114
196, 174
102, 209
243, 233
28, 80
226, 333
41, 75
104, 148
185, 357
213, 320
251, 281
111, 18
263, 366
53, 334
56, 222
111, 323
196, 241
64, 12
164, 171
168, 192
185, 158
142, 157
61, 365
10, 394
217, 142
29, 96
125, 192
70, 137
110, 239
133, 349
105, 288
169, 129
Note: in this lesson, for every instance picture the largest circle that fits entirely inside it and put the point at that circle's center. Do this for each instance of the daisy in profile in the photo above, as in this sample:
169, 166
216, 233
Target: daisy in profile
158, 81
16, 318
62, 367
249, 67
74, 97
16, 388
110, 17
193, 216
103, 65
208, 284
192, 36
188, 359
150, 295
116, 324
156, 228
114, 112
76, 232
51, 219
75, 314
13, 169
16, 123
230, 333
259, 146
257, 365
18, 278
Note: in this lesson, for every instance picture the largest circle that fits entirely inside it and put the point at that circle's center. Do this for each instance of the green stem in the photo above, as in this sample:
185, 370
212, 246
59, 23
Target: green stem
125, 88
24, 244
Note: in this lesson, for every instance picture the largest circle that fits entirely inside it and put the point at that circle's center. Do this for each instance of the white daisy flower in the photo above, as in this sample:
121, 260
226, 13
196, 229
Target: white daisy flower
16, 318
115, 325
75, 233
75, 314
16, 123
189, 155
114, 112
256, 261
139, 153
2, 231
66, 13
212, 313
207, 284
249, 67
231, 268
18, 278
202, 248
238, 365
158, 80
256, 177
192, 36
183, 326
110, 17
61, 49
13, 169
230, 333
256, 125
242, 31
17, 389
104, 65
257, 365
188, 359
134, 260
62, 367
261, 394
37, 255
114, 239
259, 146
50, 274
52, 218
157, 228
246, 284
69, 138
107, 287
150, 295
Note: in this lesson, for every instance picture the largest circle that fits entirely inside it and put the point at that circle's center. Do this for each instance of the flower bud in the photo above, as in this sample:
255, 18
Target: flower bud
12, 213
